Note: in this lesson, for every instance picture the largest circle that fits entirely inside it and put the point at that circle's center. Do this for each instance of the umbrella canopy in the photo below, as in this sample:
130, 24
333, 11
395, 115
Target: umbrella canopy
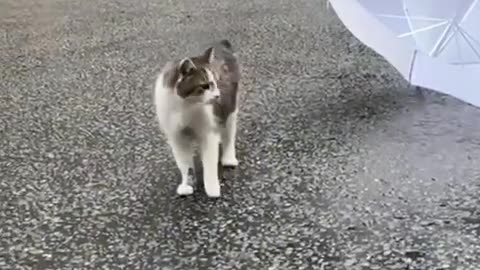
433, 43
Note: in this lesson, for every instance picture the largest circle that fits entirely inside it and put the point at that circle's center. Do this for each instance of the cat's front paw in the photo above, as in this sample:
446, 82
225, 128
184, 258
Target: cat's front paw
184, 190
229, 161
213, 190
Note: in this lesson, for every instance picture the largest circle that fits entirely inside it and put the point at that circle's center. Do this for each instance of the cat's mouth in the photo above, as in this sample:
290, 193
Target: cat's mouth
213, 100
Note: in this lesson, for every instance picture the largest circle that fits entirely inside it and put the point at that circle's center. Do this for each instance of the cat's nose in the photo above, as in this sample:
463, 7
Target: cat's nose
216, 94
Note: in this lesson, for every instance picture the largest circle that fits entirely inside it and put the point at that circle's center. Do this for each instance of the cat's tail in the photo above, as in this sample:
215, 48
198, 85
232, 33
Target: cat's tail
227, 44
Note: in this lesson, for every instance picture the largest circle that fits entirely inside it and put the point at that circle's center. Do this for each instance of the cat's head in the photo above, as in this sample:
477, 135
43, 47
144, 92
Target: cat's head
196, 82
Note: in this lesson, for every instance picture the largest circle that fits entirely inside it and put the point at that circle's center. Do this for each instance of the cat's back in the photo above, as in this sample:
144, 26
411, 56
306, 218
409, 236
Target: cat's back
226, 63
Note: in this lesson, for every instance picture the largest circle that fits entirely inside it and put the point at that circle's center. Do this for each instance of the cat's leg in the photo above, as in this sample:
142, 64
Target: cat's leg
182, 149
229, 133
209, 150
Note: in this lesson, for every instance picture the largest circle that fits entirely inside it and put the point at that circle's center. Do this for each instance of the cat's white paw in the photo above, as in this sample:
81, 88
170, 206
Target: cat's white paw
229, 161
184, 190
213, 190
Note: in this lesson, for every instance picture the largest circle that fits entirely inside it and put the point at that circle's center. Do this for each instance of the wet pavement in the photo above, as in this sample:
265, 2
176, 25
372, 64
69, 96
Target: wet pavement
342, 165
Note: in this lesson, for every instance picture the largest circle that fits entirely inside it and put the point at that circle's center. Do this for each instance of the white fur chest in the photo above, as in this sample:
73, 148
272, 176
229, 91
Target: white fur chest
198, 118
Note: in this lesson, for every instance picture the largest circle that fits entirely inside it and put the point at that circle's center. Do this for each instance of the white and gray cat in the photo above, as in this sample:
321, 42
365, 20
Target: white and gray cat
196, 101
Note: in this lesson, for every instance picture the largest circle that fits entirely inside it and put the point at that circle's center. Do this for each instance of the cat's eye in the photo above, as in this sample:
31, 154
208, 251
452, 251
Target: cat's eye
200, 91
205, 86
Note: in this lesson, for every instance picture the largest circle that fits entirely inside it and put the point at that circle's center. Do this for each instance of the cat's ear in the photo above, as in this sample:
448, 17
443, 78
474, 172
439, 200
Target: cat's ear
186, 66
209, 55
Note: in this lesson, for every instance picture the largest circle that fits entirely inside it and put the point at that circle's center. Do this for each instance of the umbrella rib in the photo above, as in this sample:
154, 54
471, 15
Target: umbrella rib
415, 18
465, 63
470, 9
423, 29
410, 73
471, 37
442, 40
443, 45
469, 42
407, 15
459, 52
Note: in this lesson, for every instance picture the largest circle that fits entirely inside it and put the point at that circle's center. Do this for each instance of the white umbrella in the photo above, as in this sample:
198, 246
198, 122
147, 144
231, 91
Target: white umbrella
433, 43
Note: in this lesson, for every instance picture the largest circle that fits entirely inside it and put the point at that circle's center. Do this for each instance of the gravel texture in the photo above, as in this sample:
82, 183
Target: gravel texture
342, 165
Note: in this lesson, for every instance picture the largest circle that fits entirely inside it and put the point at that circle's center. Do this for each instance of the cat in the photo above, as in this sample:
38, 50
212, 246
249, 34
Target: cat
196, 101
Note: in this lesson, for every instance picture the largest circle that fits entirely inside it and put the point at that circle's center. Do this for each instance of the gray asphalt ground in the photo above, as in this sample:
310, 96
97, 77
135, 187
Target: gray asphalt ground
342, 165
